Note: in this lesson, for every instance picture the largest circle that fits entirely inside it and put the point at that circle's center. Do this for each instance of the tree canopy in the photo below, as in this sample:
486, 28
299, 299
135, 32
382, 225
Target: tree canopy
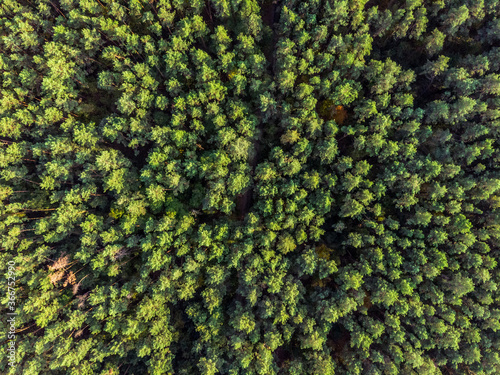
251, 186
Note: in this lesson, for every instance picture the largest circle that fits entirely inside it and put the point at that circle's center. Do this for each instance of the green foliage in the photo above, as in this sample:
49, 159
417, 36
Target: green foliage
251, 187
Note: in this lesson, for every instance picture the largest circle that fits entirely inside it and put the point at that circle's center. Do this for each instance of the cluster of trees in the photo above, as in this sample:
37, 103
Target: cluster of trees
251, 186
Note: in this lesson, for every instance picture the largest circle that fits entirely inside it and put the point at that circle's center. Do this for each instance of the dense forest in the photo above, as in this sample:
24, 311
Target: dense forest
250, 186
